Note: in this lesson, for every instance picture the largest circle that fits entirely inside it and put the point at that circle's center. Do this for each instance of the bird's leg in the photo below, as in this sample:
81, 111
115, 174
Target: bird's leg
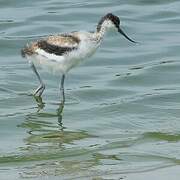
60, 109
40, 102
40, 89
62, 89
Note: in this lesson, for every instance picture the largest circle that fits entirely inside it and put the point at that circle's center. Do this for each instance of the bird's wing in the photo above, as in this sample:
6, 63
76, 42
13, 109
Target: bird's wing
59, 44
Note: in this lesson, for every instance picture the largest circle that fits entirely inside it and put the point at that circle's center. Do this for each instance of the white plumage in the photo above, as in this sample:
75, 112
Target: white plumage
63, 63
60, 53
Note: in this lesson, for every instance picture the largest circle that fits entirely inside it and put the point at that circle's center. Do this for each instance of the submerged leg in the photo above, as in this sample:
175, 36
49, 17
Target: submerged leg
40, 89
62, 89
60, 109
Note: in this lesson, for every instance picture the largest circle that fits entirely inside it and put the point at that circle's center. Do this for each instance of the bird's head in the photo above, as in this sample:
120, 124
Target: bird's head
110, 21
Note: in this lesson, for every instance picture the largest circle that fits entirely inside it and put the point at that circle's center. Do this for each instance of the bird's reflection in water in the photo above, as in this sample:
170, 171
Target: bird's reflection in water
59, 111
59, 114
44, 131
49, 144
39, 102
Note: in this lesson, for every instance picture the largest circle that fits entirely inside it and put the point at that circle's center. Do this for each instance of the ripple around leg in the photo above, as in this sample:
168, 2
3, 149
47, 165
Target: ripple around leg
70, 100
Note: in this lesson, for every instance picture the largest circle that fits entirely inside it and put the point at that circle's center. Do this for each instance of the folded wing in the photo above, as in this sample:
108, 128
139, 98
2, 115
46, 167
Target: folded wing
59, 45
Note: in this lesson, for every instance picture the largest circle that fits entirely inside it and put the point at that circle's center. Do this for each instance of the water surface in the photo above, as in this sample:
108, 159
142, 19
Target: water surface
123, 104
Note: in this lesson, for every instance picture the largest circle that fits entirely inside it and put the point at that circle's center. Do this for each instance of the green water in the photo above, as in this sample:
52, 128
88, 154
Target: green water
122, 113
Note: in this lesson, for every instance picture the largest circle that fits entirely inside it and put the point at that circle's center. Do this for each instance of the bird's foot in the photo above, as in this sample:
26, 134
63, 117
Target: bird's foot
39, 90
40, 102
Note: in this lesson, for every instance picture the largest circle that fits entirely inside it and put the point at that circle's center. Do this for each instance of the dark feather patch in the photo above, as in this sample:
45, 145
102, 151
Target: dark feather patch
110, 17
53, 49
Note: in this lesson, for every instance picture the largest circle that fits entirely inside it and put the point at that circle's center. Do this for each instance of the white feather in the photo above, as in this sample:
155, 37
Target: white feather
62, 64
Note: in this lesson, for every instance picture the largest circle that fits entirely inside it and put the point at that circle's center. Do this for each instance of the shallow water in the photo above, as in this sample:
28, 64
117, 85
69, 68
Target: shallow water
123, 104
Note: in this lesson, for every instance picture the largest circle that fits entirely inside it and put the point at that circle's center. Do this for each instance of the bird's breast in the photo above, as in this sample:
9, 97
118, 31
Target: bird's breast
87, 49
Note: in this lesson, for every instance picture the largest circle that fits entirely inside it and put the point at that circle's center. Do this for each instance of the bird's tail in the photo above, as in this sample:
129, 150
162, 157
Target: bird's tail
23, 52
26, 51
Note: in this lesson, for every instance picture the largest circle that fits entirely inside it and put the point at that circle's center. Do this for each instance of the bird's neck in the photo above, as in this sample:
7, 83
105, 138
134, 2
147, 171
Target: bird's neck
99, 33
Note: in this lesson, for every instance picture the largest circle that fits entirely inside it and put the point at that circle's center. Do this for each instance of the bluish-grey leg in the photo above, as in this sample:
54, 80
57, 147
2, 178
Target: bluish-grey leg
62, 89
60, 109
40, 89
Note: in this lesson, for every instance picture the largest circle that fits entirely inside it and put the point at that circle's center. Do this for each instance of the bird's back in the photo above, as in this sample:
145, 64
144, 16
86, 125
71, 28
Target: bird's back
60, 52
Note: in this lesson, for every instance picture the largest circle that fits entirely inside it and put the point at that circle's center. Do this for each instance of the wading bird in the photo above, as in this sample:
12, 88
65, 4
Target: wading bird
59, 53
